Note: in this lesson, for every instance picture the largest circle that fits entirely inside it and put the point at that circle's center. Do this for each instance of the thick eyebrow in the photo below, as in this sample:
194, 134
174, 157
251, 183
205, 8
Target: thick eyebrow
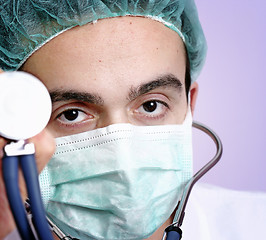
168, 80
64, 95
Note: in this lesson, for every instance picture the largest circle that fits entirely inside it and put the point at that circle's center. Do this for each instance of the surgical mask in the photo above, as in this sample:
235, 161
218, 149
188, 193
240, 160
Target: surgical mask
118, 182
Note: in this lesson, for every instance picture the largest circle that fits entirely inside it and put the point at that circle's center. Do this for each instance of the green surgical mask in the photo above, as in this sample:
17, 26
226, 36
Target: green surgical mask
118, 182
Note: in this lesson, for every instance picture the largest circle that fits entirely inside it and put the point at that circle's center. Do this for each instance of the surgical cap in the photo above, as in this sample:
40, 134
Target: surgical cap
26, 25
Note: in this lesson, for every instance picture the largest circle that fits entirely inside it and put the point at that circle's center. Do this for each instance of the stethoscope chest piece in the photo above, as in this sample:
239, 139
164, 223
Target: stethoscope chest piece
25, 105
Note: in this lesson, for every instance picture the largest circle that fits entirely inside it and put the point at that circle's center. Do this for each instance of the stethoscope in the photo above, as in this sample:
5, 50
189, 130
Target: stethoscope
25, 111
30, 92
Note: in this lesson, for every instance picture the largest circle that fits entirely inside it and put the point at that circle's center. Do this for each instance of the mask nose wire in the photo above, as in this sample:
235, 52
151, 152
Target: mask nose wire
182, 204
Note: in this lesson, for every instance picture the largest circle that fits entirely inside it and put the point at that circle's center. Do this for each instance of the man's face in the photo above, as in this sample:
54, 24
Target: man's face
120, 70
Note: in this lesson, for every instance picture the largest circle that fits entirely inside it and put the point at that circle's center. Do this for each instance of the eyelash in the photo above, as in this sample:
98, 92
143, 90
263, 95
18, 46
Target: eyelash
153, 116
86, 116
79, 111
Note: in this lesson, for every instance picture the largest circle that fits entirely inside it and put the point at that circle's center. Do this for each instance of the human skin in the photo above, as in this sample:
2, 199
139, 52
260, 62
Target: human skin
128, 70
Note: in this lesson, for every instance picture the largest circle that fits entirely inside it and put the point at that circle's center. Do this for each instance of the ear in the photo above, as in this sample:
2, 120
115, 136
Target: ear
194, 89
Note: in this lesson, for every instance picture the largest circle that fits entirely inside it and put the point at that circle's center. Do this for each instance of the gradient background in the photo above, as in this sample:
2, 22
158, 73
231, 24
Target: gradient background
232, 97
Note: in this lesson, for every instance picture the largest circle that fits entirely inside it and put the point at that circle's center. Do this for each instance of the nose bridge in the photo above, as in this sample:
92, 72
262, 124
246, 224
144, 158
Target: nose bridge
113, 116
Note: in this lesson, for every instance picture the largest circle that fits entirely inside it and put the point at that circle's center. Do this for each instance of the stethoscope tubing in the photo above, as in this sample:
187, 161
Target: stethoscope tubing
10, 171
173, 232
32, 181
203, 170
10, 168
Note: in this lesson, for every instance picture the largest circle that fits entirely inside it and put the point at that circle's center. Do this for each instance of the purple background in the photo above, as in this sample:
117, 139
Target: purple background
233, 92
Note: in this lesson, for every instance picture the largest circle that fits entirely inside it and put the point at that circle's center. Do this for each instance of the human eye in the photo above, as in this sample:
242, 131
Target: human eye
153, 108
152, 111
73, 116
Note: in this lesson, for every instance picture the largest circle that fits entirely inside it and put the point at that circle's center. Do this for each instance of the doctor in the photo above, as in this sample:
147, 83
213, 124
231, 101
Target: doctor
113, 69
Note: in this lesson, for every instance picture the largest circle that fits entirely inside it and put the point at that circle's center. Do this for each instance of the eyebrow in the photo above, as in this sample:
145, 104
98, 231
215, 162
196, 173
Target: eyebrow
168, 80
62, 95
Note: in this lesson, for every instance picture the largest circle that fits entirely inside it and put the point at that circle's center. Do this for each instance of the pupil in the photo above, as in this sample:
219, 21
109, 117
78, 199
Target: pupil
71, 115
150, 106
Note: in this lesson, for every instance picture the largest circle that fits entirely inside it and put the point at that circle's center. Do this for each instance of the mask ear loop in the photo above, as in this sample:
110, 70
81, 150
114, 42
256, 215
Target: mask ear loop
173, 232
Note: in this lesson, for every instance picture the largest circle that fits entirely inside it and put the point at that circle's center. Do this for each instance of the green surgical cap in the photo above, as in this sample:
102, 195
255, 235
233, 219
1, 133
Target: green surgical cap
26, 25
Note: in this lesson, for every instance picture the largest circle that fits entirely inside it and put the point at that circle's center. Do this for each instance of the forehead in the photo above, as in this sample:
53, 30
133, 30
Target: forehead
116, 48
